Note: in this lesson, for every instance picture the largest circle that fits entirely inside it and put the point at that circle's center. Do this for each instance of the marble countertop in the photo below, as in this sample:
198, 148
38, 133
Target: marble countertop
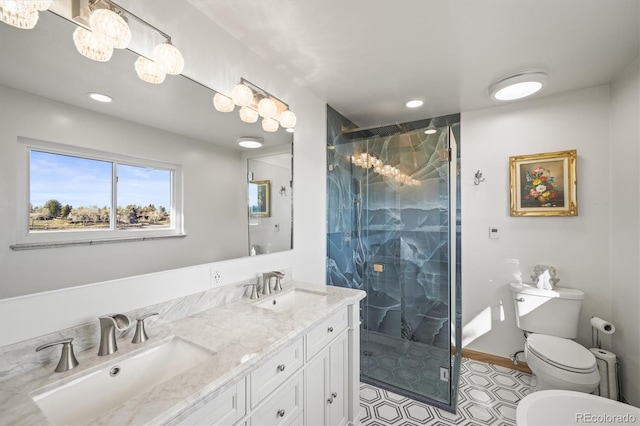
239, 334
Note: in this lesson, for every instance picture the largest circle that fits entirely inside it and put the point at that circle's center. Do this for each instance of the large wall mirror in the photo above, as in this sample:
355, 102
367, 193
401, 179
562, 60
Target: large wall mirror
44, 62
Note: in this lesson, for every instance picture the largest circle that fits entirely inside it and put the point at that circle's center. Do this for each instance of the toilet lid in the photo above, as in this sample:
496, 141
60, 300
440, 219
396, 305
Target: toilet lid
562, 353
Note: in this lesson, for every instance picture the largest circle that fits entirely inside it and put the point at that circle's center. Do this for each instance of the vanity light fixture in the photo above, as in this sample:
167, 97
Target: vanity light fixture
414, 103
250, 142
104, 26
223, 103
100, 97
518, 86
255, 103
22, 14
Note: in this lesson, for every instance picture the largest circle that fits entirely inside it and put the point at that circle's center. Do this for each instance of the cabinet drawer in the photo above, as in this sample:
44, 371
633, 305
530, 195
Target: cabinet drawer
224, 408
323, 333
284, 407
266, 378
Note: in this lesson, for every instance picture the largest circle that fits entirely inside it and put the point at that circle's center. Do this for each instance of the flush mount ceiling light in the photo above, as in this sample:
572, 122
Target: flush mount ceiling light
256, 103
250, 142
22, 13
100, 97
518, 86
415, 103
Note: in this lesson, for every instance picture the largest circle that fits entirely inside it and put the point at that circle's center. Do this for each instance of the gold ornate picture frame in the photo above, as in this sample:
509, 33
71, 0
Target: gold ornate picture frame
260, 198
544, 184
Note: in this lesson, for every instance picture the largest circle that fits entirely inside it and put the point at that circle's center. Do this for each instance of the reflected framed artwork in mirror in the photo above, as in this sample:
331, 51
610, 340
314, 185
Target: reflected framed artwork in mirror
544, 184
260, 198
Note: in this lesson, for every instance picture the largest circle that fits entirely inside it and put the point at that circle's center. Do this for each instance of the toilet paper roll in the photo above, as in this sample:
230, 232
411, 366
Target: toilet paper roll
606, 362
602, 325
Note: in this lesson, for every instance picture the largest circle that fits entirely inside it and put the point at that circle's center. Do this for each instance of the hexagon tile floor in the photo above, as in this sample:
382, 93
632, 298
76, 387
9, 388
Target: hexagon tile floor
488, 395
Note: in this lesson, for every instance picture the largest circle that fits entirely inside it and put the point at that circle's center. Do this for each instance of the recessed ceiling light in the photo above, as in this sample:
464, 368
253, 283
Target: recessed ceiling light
415, 103
518, 86
100, 97
430, 131
250, 142
289, 129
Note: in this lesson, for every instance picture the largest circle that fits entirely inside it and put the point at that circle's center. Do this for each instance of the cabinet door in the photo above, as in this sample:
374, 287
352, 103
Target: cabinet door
338, 391
327, 385
316, 389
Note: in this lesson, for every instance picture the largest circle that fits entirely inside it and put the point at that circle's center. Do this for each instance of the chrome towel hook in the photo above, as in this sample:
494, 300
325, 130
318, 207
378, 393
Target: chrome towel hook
477, 178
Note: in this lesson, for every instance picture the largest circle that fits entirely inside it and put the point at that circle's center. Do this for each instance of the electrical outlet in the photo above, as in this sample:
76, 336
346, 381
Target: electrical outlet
216, 275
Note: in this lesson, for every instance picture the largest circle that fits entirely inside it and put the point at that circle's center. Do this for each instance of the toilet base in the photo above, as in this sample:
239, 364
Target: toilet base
552, 383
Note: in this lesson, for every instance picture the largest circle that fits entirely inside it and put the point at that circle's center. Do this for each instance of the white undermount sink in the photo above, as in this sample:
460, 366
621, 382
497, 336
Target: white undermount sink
99, 390
296, 297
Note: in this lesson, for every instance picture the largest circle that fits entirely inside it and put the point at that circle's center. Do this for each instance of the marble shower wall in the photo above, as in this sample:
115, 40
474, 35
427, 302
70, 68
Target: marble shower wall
374, 220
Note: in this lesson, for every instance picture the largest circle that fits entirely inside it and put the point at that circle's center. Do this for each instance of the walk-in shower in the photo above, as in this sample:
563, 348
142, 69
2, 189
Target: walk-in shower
393, 230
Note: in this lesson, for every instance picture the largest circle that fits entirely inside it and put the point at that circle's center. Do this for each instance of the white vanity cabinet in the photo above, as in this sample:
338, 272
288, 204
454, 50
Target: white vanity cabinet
313, 381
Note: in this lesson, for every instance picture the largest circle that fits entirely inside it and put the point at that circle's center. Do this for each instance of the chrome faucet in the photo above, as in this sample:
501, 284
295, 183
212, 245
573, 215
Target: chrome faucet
279, 275
266, 281
108, 325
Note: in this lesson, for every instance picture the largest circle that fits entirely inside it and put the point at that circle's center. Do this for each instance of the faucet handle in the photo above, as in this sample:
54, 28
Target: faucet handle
254, 290
67, 359
141, 334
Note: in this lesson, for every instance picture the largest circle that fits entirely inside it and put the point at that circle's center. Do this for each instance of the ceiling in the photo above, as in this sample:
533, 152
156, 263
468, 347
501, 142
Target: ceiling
366, 58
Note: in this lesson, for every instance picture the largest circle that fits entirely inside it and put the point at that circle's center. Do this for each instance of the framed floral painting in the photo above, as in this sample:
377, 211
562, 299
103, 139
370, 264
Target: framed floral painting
260, 198
544, 184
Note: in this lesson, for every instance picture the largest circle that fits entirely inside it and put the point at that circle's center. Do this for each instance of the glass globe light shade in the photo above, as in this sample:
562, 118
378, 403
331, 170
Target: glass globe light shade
248, 114
267, 108
287, 119
269, 125
149, 71
19, 14
223, 103
170, 57
92, 47
242, 95
109, 25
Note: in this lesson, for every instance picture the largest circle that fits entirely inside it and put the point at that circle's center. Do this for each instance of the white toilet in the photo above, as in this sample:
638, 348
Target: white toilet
549, 319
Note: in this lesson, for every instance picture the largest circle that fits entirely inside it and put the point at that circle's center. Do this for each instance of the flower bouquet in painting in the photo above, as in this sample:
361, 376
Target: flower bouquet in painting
540, 189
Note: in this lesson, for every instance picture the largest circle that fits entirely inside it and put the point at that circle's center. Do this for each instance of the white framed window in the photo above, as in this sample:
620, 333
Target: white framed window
72, 195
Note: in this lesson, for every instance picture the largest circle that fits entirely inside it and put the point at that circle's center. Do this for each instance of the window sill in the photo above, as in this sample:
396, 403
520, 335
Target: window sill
58, 244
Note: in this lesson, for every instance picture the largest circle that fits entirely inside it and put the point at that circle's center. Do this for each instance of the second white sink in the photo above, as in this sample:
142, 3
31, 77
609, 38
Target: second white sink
99, 390
297, 297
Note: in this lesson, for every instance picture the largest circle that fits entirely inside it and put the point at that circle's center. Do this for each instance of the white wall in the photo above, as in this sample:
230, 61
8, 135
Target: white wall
577, 246
624, 256
214, 229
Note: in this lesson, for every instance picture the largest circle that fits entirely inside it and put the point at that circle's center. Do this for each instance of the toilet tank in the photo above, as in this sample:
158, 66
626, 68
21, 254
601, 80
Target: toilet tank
555, 312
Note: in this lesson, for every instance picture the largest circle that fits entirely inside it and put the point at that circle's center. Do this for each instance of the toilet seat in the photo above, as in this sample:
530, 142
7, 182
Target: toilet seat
562, 353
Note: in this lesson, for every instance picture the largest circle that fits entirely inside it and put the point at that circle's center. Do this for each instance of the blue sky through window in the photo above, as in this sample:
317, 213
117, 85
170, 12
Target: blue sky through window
83, 182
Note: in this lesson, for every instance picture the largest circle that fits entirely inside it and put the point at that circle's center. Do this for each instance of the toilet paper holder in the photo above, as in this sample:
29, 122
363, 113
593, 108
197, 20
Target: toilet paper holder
597, 325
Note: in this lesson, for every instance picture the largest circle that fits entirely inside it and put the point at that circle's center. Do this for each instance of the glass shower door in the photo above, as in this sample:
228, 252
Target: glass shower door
389, 234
